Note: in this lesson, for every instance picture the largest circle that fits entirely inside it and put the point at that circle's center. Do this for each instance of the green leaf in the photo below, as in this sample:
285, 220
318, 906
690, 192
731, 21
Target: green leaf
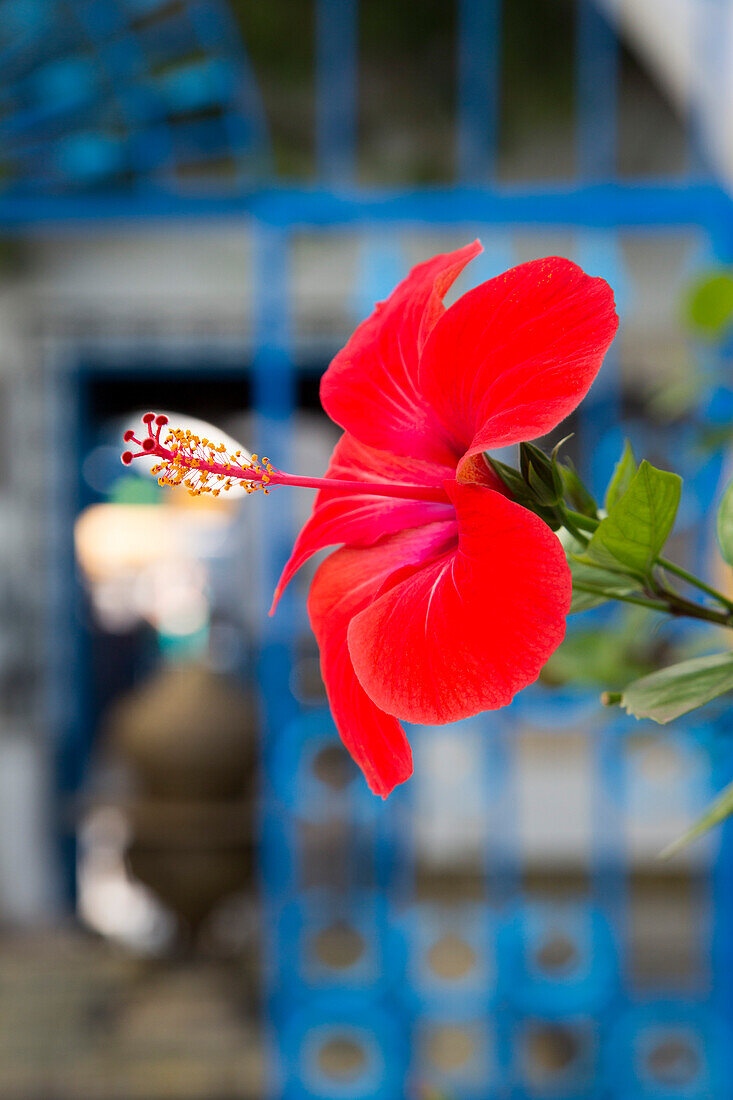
636, 528
544, 493
513, 480
622, 475
678, 689
610, 586
710, 303
522, 492
576, 491
716, 812
559, 445
613, 584
541, 474
725, 525
611, 653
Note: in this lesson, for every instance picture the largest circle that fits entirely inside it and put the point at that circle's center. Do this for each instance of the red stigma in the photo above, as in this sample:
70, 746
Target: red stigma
198, 464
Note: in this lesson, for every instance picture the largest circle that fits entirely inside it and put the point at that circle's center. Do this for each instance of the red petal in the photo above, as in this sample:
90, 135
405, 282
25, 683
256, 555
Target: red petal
345, 583
359, 519
371, 388
467, 631
509, 360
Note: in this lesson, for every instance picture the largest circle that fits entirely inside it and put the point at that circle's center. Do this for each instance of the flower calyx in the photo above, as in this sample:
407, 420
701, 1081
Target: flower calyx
543, 484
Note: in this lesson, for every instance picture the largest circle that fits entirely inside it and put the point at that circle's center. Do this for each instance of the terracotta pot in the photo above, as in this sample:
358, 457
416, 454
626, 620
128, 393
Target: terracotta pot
191, 881
187, 733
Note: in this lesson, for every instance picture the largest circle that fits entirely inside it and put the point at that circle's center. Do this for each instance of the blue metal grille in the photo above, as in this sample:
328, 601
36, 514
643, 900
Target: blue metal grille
537, 1000
140, 93
543, 1003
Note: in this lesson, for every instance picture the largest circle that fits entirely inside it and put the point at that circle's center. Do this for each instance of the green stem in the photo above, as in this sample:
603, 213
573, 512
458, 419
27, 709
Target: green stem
642, 601
690, 579
568, 521
590, 524
670, 603
705, 614
678, 605
581, 520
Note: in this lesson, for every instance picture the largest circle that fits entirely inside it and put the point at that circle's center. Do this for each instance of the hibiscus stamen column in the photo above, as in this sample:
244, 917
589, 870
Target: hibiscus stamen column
200, 465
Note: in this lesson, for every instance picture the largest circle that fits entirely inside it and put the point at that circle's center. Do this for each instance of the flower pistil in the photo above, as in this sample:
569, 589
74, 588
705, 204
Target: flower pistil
202, 466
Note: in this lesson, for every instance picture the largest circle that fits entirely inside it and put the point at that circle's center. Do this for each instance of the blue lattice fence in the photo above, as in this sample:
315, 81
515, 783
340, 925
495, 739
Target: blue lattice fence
141, 93
406, 948
516, 992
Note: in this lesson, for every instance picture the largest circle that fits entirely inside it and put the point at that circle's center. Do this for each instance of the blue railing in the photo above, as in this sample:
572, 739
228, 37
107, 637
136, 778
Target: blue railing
124, 97
535, 999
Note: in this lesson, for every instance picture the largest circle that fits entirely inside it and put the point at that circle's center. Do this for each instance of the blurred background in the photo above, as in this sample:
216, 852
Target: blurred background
199, 898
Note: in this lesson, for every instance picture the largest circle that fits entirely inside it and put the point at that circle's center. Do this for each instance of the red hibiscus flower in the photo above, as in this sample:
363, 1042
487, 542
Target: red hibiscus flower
446, 598
437, 609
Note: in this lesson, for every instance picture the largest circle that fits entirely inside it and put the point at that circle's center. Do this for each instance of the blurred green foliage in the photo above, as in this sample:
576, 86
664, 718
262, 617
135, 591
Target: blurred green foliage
407, 84
609, 655
709, 304
724, 525
280, 40
668, 693
129, 489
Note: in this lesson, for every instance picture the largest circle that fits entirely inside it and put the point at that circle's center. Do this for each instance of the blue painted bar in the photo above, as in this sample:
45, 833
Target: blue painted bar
336, 104
392, 1000
273, 400
479, 103
103, 76
648, 206
596, 84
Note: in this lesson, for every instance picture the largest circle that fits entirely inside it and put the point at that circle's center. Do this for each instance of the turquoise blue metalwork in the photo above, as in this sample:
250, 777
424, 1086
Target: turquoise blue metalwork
92, 138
